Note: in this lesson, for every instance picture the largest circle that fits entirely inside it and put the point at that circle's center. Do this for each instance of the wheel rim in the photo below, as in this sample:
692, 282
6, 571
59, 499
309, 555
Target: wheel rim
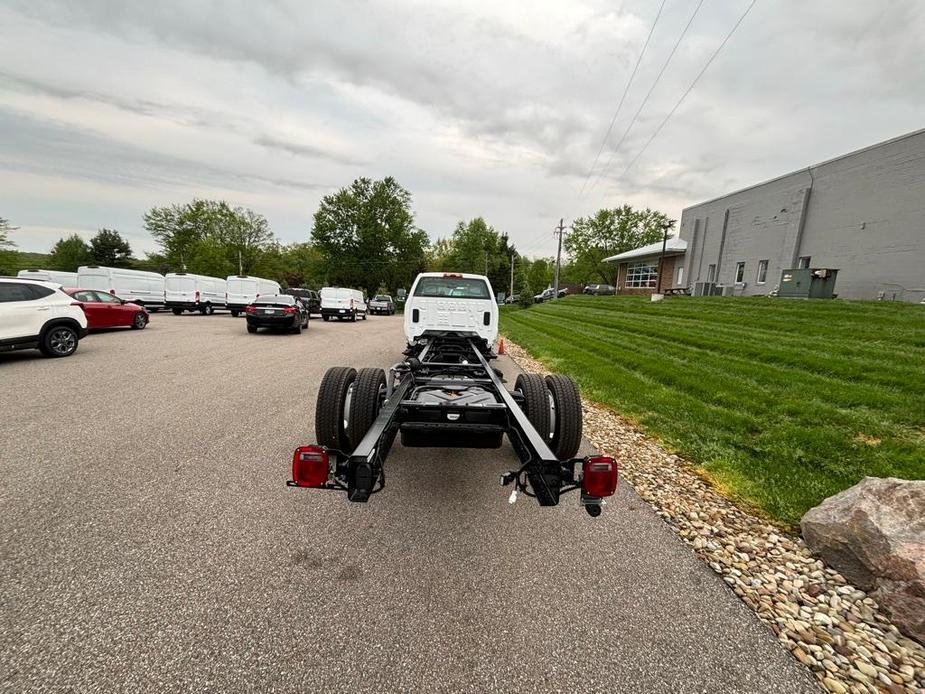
140, 320
348, 399
62, 341
552, 415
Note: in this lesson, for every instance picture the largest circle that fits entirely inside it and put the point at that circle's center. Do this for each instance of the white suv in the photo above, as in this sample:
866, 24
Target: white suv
38, 315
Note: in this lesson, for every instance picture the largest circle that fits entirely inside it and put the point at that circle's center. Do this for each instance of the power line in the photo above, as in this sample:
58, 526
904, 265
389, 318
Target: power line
658, 78
689, 89
622, 99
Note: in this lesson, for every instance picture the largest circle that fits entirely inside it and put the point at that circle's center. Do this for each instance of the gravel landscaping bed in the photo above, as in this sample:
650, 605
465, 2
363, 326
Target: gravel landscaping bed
827, 624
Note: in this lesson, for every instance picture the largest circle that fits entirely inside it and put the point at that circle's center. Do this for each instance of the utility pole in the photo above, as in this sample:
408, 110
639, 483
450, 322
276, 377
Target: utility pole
240, 266
661, 259
559, 230
512, 275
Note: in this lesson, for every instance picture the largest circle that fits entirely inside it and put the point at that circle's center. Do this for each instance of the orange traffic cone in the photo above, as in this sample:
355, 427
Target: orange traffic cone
501, 346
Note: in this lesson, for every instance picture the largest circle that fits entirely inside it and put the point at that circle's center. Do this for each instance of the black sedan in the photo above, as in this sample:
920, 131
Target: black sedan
276, 311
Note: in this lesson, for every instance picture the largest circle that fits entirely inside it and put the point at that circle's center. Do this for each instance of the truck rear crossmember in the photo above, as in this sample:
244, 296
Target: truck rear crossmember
446, 394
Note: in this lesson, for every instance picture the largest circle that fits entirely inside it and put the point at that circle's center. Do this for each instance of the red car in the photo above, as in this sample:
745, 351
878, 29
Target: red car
107, 311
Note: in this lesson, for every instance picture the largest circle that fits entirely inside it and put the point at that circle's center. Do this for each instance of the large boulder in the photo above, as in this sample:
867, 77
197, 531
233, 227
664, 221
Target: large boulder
874, 535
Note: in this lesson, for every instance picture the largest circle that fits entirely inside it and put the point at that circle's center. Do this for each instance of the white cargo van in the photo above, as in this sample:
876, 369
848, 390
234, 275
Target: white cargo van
243, 289
454, 302
136, 286
340, 302
184, 291
65, 279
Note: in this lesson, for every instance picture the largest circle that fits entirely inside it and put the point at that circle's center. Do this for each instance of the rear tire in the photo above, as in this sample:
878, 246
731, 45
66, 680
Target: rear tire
234, 313
59, 341
535, 403
330, 427
251, 328
325, 318
368, 394
209, 309
177, 311
364, 315
566, 438
353, 317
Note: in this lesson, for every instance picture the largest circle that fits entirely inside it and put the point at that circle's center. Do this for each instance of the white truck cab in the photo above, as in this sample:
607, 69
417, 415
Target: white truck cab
451, 302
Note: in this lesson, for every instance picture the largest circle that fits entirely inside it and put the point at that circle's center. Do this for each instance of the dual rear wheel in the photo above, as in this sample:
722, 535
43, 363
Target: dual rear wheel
553, 406
348, 403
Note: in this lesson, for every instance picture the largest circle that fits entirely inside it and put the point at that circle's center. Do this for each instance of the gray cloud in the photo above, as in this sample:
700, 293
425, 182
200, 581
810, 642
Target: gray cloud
301, 150
493, 107
49, 148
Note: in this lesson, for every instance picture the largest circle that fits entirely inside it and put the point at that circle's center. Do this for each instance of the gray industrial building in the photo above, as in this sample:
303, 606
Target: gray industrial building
862, 213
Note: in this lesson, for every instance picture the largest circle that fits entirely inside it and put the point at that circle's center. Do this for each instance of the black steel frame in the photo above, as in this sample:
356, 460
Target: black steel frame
439, 358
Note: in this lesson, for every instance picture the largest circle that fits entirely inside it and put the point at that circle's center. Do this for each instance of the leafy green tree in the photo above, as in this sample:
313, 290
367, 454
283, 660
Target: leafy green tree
606, 233
521, 283
109, 248
5, 230
539, 275
7, 256
70, 253
366, 235
302, 265
478, 248
210, 237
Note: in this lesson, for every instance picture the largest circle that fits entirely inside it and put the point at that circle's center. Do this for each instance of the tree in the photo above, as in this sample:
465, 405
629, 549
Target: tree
5, 229
609, 232
109, 248
303, 265
539, 274
478, 248
366, 235
7, 256
210, 237
70, 253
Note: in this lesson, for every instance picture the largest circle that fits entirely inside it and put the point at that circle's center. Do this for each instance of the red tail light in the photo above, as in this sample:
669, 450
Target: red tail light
600, 476
197, 296
454, 275
310, 466
112, 291
250, 309
289, 309
77, 303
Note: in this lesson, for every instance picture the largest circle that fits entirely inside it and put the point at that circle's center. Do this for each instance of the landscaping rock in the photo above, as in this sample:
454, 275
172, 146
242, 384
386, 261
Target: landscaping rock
874, 534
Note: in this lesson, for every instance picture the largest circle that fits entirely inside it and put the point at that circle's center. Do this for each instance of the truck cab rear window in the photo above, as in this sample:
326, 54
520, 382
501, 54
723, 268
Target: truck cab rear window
455, 287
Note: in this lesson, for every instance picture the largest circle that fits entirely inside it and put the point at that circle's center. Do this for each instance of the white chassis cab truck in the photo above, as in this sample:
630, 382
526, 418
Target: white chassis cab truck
445, 394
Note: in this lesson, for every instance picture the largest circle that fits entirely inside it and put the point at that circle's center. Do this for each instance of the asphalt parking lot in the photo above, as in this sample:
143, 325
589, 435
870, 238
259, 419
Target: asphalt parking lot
149, 543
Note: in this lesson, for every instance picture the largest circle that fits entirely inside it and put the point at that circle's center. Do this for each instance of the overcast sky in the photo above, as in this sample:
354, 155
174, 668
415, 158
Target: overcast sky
484, 107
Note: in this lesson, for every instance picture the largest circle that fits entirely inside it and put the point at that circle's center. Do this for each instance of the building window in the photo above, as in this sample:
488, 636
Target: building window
740, 273
641, 275
680, 277
711, 273
803, 263
762, 271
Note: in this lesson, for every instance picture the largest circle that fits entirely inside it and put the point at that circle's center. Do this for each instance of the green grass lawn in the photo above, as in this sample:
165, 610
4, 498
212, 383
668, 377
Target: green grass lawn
782, 402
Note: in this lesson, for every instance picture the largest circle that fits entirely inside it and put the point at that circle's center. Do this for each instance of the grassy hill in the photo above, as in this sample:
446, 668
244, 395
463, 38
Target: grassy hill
781, 402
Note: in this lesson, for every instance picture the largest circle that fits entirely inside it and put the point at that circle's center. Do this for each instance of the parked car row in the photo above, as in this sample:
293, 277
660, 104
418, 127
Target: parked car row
175, 291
